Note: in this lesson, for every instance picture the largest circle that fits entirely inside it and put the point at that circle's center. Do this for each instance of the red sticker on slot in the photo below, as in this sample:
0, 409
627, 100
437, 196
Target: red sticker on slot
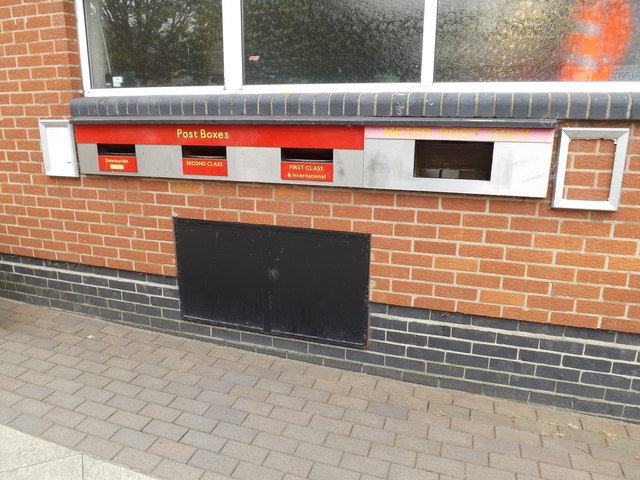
117, 163
211, 167
306, 172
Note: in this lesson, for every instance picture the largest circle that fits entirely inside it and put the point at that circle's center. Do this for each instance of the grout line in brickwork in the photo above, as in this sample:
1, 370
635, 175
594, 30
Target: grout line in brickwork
541, 336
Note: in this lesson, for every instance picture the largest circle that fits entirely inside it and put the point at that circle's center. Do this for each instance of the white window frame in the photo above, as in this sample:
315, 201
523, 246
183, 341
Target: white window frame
233, 69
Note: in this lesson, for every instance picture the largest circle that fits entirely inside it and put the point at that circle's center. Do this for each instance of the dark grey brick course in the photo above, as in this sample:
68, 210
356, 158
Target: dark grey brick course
587, 370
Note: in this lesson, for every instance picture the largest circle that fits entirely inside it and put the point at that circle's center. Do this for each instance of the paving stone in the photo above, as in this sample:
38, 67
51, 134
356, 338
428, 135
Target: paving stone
316, 453
480, 472
62, 416
324, 472
122, 388
64, 400
468, 455
513, 464
436, 464
296, 380
7, 414
133, 438
387, 410
36, 392
290, 416
373, 435
29, 424
32, 407
554, 472
158, 397
67, 437
226, 414
98, 447
129, 404
128, 419
65, 386
164, 429
310, 394
214, 462
170, 469
264, 424
94, 409
323, 409
179, 452
242, 451
275, 442
94, 394
518, 436
272, 385
160, 412
289, 464
117, 373
239, 379
181, 377
399, 472
371, 466
35, 377
235, 432
98, 428
248, 471
196, 422
306, 434
546, 455
211, 442
589, 464
393, 455
251, 406
330, 425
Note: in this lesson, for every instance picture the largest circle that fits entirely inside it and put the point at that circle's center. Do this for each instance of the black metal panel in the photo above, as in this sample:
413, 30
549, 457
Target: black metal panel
288, 281
221, 272
320, 285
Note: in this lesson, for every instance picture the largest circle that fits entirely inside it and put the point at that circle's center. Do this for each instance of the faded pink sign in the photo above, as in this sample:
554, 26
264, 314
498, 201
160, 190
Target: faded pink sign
468, 134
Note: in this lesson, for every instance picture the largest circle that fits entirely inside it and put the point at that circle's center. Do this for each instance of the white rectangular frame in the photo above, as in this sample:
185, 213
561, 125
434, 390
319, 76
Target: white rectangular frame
620, 137
58, 146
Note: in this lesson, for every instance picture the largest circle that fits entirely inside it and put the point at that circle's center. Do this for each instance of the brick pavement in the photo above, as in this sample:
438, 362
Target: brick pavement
172, 407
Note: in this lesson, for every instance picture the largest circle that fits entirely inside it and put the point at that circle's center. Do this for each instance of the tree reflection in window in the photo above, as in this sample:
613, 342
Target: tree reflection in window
146, 43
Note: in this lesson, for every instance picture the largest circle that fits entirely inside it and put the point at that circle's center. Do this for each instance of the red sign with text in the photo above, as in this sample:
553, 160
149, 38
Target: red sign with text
306, 171
292, 136
117, 163
200, 166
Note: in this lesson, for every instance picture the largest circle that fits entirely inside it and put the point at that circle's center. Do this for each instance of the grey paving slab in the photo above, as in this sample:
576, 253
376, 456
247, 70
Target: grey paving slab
140, 403
25, 457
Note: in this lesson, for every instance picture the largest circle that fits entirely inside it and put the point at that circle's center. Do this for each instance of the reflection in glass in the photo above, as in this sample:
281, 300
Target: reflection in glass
329, 41
537, 40
150, 43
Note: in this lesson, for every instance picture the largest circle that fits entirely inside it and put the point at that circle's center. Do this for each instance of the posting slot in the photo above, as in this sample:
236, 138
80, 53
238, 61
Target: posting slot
210, 160
307, 164
453, 160
117, 158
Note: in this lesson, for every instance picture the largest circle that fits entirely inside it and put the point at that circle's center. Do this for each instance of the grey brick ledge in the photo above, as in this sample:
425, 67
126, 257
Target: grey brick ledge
360, 108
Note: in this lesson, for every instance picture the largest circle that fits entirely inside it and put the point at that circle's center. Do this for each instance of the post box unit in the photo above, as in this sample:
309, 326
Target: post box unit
481, 161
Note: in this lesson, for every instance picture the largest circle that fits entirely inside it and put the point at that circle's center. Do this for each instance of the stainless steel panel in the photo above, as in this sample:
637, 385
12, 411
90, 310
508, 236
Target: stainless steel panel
254, 164
88, 158
518, 169
163, 161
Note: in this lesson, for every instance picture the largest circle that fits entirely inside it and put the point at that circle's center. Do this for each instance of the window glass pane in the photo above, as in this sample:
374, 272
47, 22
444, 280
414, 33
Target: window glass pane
537, 40
150, 43
328, 41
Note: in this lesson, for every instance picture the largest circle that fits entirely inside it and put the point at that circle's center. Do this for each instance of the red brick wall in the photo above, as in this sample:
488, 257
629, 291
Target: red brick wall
501, 257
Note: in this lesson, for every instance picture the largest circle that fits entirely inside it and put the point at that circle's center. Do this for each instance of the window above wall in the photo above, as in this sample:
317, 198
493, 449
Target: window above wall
252, 46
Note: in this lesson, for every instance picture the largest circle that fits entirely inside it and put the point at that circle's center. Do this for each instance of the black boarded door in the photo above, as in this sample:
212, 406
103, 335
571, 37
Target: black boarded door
302, 283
